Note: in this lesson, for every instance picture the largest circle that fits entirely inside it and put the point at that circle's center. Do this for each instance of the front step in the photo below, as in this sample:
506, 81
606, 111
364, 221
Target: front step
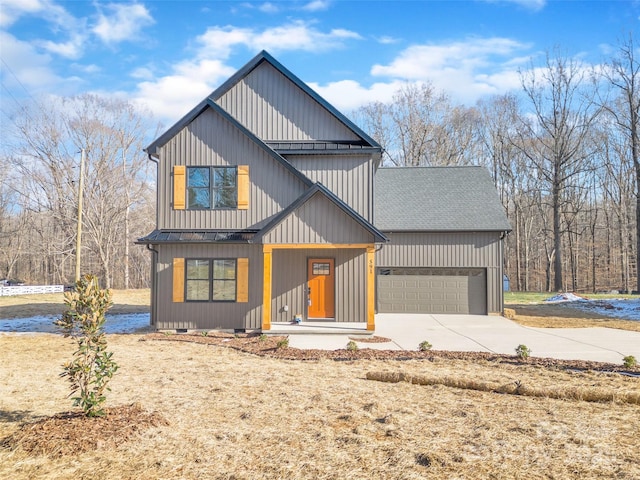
319, 328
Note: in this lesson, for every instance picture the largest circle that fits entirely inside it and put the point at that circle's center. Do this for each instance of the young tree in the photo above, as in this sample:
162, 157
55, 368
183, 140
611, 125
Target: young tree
92, 366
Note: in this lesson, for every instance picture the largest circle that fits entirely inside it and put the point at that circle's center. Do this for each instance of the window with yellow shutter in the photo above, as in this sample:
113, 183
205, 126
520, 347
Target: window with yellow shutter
214, 280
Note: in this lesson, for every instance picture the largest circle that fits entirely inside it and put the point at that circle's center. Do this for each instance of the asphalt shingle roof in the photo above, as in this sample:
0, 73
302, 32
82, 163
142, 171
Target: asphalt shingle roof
437, 199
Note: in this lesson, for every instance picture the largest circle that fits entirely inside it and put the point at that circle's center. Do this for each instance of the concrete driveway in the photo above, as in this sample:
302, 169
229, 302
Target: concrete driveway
479, 333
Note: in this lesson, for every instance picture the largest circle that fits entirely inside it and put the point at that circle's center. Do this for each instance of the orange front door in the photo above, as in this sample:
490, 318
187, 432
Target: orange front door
321, 288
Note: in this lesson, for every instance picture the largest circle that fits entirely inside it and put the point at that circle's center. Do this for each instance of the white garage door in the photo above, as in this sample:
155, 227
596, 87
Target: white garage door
432, 290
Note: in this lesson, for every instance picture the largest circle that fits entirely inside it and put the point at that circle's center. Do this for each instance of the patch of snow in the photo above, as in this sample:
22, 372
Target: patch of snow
622, 308
565, 297
117, 323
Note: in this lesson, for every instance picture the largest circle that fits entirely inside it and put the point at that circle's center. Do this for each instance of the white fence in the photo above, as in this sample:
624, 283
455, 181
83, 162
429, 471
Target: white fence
27, 289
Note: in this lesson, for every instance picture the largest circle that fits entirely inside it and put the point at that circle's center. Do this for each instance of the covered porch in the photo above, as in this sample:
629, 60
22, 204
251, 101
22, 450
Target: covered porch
319, 286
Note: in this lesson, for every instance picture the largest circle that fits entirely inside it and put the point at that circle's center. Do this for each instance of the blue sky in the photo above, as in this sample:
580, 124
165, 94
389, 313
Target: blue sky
168, 55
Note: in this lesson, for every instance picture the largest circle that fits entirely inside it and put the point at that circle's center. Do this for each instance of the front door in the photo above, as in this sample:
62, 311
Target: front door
321, 288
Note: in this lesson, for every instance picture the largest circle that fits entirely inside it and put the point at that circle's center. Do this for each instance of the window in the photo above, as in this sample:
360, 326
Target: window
210, 280
212, 187
321, 268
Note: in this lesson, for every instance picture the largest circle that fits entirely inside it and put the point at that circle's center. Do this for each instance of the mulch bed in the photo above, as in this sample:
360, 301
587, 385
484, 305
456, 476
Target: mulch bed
73, 433
267, 346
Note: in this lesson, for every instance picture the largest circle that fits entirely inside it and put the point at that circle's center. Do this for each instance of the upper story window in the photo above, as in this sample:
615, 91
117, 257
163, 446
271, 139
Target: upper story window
212, 187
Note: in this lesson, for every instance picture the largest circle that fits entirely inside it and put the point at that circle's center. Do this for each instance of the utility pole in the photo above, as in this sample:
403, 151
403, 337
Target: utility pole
79, 230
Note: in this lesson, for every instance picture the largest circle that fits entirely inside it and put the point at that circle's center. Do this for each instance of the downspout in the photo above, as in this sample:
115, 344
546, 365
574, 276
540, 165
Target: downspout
156, 161
154, 252
154, 284
501, 273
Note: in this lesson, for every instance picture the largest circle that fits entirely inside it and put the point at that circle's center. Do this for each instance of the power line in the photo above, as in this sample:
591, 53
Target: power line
17, 79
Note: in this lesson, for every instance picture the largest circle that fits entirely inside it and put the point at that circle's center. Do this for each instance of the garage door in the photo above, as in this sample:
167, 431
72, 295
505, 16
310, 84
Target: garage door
432, 290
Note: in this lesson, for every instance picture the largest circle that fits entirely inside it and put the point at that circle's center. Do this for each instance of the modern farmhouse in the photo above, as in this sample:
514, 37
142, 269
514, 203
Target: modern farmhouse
272, 206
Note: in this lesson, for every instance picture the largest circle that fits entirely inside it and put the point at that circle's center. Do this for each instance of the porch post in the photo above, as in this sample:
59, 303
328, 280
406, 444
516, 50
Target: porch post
266, 287
371, 278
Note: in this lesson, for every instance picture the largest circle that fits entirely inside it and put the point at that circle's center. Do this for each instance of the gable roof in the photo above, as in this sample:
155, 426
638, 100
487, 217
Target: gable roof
208, 103
437, 199
379, 237
234, 79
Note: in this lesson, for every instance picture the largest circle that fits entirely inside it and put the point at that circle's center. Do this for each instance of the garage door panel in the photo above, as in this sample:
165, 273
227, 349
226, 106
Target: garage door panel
463, 292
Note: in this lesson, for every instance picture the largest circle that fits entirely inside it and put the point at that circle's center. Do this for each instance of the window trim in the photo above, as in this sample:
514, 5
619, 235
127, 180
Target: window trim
211, 187
211, 280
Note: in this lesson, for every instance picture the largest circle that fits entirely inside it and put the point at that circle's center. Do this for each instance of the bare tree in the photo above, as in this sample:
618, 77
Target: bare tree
563, 110
48, 140
410, 128
623, 73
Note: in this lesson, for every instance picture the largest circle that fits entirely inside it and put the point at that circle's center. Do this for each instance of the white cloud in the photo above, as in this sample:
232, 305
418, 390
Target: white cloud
386, 40
13, 9
73, 48
316, 6
533, 5
124, 23
61, 22
30, 70
142, 73
172, 96
189, 82
268, 7
465, 69
348, 95
297, 35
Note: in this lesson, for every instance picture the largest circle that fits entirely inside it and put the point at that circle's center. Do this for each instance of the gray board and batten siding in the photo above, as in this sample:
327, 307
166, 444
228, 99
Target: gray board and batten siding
201, 315
211, 140
318, 220
455, 250
455, 226
266, 103
349, 177
289, 279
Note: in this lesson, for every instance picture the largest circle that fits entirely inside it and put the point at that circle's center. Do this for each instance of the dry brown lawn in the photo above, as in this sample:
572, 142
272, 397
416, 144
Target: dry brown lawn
233, 415
22, 306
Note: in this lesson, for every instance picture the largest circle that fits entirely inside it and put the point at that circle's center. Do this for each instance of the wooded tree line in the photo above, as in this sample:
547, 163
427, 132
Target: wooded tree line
563, 151
39, 192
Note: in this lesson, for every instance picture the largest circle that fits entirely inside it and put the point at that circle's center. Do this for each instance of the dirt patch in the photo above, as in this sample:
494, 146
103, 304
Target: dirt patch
74, 433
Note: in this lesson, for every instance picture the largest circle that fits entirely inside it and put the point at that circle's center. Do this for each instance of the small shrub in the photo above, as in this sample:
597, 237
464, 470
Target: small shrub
352, 346
523, 351
262, 337
424, 346
284, 343
92, 366
204, 333
629, 361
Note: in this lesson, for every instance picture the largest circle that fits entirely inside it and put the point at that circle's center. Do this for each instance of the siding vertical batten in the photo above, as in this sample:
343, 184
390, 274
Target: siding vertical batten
266, 285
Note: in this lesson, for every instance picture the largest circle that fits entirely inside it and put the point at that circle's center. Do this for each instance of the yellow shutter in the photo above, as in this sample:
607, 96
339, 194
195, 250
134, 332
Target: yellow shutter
242, 279
179, 187
243, 187
178, 279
